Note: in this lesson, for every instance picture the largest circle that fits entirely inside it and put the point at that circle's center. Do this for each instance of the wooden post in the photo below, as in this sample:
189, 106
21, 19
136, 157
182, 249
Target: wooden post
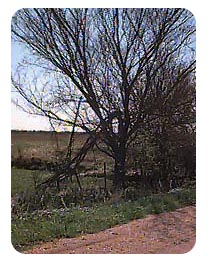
105, 177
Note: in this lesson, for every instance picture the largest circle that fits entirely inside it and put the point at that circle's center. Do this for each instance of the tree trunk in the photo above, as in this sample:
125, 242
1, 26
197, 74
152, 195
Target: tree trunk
119, 171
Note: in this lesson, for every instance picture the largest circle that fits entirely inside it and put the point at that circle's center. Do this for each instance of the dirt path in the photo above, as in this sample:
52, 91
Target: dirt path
172, 232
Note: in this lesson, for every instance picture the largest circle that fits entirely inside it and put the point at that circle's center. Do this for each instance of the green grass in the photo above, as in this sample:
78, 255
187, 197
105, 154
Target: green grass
33, 228
29, 228
21, 180
24, 180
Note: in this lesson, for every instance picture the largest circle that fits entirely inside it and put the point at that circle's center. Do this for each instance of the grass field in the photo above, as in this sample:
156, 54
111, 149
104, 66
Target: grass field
41, 144
24, 181
46, 146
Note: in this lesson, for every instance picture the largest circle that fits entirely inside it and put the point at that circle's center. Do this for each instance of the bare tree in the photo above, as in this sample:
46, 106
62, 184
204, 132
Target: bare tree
113, 58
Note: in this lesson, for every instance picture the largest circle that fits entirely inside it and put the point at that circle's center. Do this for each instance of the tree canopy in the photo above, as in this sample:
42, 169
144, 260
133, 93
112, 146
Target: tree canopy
129, 67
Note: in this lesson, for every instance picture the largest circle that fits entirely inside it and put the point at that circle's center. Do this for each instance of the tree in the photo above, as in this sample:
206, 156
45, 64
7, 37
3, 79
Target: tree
115, 59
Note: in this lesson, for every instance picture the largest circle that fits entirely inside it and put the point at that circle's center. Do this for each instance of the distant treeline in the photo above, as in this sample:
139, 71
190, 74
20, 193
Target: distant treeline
40, 131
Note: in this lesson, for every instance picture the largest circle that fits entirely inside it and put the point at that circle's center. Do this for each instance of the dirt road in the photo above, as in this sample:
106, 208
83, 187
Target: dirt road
166, 233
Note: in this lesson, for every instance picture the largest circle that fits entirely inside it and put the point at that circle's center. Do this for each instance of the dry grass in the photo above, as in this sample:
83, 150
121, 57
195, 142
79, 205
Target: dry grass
51, 147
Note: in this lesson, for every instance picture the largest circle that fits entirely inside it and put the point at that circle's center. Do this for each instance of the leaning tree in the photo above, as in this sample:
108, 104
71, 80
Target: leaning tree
114, 59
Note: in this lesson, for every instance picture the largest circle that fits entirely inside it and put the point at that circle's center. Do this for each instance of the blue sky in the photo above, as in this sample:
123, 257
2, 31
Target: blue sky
21, 120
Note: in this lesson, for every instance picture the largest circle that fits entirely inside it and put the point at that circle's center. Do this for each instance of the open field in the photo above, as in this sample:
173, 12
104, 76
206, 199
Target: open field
46, 146
40, 143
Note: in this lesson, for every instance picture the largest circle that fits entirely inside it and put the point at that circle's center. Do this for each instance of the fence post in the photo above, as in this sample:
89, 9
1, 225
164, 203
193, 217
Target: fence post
105, 177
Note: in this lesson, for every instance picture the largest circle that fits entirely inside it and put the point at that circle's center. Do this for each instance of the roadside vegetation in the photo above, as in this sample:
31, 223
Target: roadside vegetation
42, 215
29, 229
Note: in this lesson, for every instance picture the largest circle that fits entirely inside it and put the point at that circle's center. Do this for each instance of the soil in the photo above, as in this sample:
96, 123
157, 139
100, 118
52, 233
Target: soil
165, 233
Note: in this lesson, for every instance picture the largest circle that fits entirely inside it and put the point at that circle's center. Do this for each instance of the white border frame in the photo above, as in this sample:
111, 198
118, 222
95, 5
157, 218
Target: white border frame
200, 11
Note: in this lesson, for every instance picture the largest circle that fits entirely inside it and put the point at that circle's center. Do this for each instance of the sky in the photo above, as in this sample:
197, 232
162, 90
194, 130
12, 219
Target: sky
21, 120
